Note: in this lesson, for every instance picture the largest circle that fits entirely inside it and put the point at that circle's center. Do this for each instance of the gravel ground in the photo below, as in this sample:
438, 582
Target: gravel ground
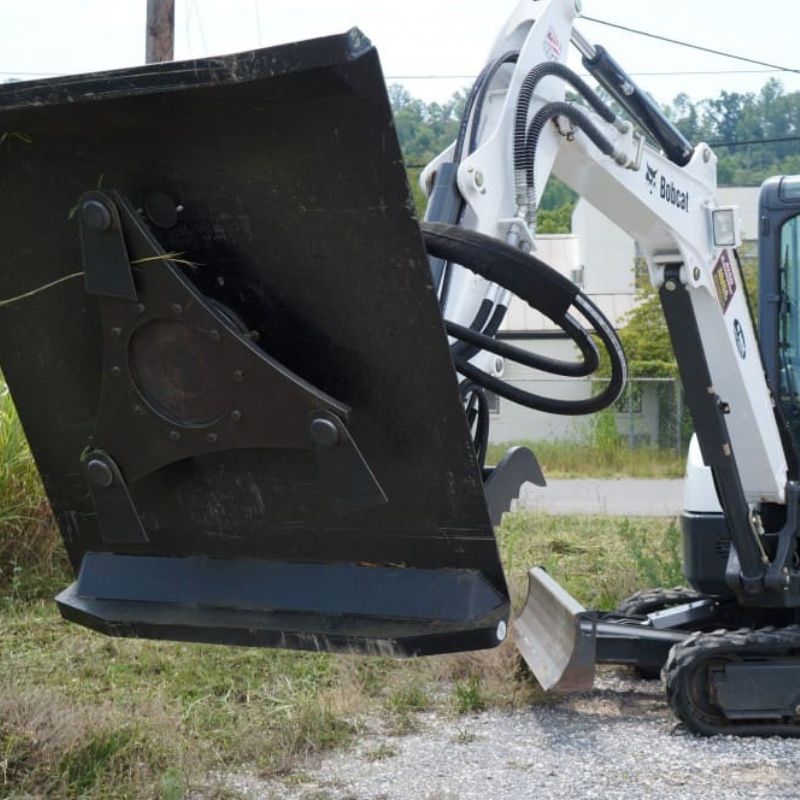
619, 741
626, 497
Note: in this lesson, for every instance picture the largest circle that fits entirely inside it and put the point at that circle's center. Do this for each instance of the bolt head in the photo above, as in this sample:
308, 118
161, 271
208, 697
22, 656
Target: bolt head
100, 473
696, 273
323, 432
236, 416
238, 376
174, 436
177, 308
212, 438
502, 631
116, 371
96, 216
670, 286
479, 179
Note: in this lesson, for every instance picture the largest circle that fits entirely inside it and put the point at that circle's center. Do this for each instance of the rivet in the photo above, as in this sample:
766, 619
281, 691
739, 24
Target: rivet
213, 334
238, 376
236, 416
116, 371
212, 438
138, 410
177, 308
696, 273
502, 631
140, 308
670, 286
479, 179
116, 332
174, 436
323, 432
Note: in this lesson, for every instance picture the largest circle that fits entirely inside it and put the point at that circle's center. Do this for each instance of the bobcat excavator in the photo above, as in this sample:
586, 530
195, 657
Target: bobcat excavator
255, 385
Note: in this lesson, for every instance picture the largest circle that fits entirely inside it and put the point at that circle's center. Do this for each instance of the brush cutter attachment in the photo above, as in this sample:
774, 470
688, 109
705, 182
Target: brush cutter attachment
218, 325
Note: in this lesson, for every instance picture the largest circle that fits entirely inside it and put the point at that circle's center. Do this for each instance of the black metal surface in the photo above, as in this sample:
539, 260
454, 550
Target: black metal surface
291, 201
257, 603
757, 690
502, 483
613, 78
709, 421
631, 643
706, 544
117, 517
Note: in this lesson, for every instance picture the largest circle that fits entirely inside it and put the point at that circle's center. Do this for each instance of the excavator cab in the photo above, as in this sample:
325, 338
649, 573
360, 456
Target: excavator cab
218, 324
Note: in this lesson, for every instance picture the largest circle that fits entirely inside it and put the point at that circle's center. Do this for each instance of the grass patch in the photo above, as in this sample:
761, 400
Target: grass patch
570, 460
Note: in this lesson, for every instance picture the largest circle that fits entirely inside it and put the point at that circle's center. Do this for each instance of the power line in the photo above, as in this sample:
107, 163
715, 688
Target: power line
703, 49
667, 73
743, 142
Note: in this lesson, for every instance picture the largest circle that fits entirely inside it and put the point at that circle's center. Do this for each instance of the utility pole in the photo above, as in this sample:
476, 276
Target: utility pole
160, 30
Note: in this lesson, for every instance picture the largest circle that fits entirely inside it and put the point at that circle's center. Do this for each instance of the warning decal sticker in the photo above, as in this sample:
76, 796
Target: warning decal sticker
724, 280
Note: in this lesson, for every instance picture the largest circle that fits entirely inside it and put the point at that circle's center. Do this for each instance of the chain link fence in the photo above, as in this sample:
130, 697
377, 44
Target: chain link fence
650, 414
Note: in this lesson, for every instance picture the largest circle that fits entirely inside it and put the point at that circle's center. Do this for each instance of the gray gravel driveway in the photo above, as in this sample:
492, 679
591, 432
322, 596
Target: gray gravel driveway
626, 497
619, 741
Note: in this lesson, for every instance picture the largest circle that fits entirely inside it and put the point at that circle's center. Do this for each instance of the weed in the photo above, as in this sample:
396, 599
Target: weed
408, 698
381, 752
468, 697
464, 737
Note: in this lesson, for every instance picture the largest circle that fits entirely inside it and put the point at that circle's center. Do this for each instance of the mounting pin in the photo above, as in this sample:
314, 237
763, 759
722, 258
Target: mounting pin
96, 216
323, 432
100, 474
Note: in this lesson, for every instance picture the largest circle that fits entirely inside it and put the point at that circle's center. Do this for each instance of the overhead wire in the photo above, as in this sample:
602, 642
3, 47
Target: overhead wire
701, 48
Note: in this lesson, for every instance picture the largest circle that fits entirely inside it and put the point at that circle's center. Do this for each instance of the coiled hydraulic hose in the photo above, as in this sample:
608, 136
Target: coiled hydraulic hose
544, 289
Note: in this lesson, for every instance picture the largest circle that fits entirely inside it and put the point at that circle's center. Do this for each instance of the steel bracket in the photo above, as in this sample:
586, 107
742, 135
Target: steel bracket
182, 379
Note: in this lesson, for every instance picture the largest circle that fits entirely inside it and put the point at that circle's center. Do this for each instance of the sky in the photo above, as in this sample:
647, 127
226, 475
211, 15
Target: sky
415, 37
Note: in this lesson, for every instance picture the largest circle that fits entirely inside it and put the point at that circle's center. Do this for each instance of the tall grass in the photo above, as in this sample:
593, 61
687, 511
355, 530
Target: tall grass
566, 459
31, 555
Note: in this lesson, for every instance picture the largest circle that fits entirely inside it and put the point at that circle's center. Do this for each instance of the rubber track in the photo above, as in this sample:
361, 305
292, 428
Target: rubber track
649, 600
689, 656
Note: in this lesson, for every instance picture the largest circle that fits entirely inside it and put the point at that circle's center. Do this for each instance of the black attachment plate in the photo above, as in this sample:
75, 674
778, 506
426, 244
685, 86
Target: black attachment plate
278, 175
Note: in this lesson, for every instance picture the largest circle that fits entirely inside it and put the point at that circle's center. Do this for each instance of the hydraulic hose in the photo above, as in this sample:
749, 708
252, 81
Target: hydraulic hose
544, 289
522, 154
470, 121
540, 120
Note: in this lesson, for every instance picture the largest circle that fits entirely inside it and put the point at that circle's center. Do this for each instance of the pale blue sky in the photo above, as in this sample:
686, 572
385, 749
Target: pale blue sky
414, 37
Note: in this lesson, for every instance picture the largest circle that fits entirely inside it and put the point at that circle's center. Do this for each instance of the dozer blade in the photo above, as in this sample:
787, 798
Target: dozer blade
557, 643
218, 323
